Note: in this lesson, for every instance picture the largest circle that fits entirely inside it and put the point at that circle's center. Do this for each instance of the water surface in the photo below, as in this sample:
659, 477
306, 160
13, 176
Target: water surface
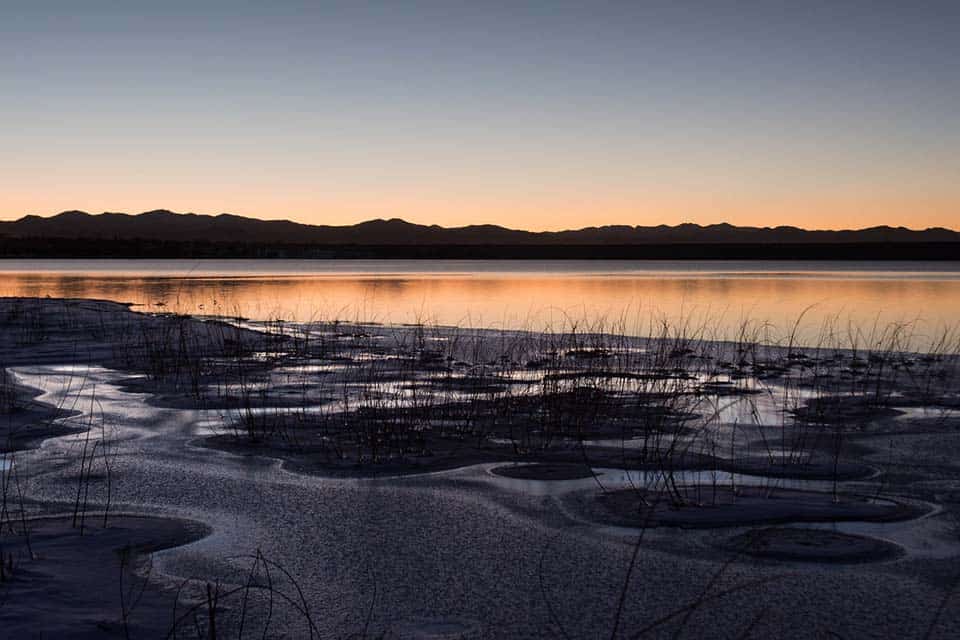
627, 295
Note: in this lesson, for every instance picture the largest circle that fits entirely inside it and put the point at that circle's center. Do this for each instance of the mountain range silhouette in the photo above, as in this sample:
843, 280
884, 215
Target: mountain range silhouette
167, 226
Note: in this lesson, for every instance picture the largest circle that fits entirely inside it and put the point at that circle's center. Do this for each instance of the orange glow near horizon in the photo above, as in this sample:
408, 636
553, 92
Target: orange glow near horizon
535, 212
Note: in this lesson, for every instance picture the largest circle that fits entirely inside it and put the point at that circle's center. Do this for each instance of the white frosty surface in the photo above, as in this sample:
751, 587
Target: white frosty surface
457, 545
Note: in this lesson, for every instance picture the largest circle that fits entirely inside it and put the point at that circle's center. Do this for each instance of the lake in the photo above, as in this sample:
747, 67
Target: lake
627, 295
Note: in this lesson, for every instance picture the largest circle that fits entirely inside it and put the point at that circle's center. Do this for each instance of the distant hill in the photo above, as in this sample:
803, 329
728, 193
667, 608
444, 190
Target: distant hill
166, 226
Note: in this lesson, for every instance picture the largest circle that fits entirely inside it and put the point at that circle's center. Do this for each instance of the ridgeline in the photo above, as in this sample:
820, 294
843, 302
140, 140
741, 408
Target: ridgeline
164, 234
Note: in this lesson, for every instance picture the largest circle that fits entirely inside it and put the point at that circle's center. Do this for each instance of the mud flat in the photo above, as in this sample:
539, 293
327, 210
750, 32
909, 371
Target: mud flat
301, 457
709, 507
29, 423
546, 471
811, 545
64, 581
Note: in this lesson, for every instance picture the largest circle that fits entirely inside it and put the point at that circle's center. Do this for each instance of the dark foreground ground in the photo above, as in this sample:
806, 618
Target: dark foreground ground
170, 477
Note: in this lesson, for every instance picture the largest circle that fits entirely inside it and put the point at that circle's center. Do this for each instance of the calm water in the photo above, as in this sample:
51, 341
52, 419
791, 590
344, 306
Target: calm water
518, 294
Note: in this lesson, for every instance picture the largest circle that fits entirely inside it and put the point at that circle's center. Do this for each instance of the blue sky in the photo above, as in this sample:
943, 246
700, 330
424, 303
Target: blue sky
537, 115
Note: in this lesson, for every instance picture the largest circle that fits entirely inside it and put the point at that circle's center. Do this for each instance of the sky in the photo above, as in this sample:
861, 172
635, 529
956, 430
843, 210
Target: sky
535, 115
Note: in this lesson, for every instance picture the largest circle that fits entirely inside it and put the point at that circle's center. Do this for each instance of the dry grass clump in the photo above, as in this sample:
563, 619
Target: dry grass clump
376, 394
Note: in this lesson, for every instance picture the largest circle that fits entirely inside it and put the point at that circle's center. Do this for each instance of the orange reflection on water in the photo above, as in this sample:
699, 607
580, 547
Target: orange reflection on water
631, 299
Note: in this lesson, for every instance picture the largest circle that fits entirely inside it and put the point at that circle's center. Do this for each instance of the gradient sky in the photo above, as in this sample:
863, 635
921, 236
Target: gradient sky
539, 115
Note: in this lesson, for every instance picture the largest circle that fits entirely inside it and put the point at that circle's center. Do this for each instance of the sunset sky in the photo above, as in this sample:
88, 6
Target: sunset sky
538, 115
